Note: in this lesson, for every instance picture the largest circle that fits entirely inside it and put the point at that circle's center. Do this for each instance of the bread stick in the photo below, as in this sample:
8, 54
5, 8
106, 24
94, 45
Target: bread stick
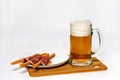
17, 61
38, 63
44, 54
49, 62
52, 55
25, 64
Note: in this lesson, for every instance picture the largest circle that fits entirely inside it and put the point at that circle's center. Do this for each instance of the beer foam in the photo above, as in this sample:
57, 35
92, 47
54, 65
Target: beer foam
81, 28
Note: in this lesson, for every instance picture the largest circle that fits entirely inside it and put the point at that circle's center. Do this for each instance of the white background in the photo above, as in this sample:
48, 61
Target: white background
27, 25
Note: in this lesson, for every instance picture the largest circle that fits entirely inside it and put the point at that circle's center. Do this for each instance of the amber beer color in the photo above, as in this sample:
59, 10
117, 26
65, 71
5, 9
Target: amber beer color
80, 48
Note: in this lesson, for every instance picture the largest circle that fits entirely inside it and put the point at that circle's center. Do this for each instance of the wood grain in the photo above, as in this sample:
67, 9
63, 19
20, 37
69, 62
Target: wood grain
68, 68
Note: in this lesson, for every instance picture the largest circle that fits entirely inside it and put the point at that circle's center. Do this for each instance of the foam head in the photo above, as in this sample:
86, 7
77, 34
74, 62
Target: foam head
81, 28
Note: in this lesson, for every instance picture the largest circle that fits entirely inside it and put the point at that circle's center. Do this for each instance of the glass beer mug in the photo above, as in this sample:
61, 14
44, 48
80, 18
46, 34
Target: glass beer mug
81, 42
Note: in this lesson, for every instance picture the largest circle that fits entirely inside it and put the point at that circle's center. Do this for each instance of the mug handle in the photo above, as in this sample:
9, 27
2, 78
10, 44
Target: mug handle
100, 41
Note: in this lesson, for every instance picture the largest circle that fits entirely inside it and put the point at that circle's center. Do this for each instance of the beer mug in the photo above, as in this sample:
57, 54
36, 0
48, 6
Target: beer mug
81, 42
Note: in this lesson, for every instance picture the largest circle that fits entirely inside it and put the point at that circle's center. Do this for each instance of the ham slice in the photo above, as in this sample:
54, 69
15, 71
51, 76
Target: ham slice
44, 60
33, 59
37, 57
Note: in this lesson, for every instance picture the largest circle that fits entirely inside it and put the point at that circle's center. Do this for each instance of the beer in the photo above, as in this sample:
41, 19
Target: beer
80, 48
81, 42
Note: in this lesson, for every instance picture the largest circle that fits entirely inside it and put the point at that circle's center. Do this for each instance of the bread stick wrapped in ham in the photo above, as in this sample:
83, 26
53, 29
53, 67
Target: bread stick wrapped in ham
44, 60
35, 60
25, 59
31, 60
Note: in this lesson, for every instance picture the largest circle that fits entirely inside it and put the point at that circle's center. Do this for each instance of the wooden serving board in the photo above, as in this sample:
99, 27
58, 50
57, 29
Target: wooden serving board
97, 65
